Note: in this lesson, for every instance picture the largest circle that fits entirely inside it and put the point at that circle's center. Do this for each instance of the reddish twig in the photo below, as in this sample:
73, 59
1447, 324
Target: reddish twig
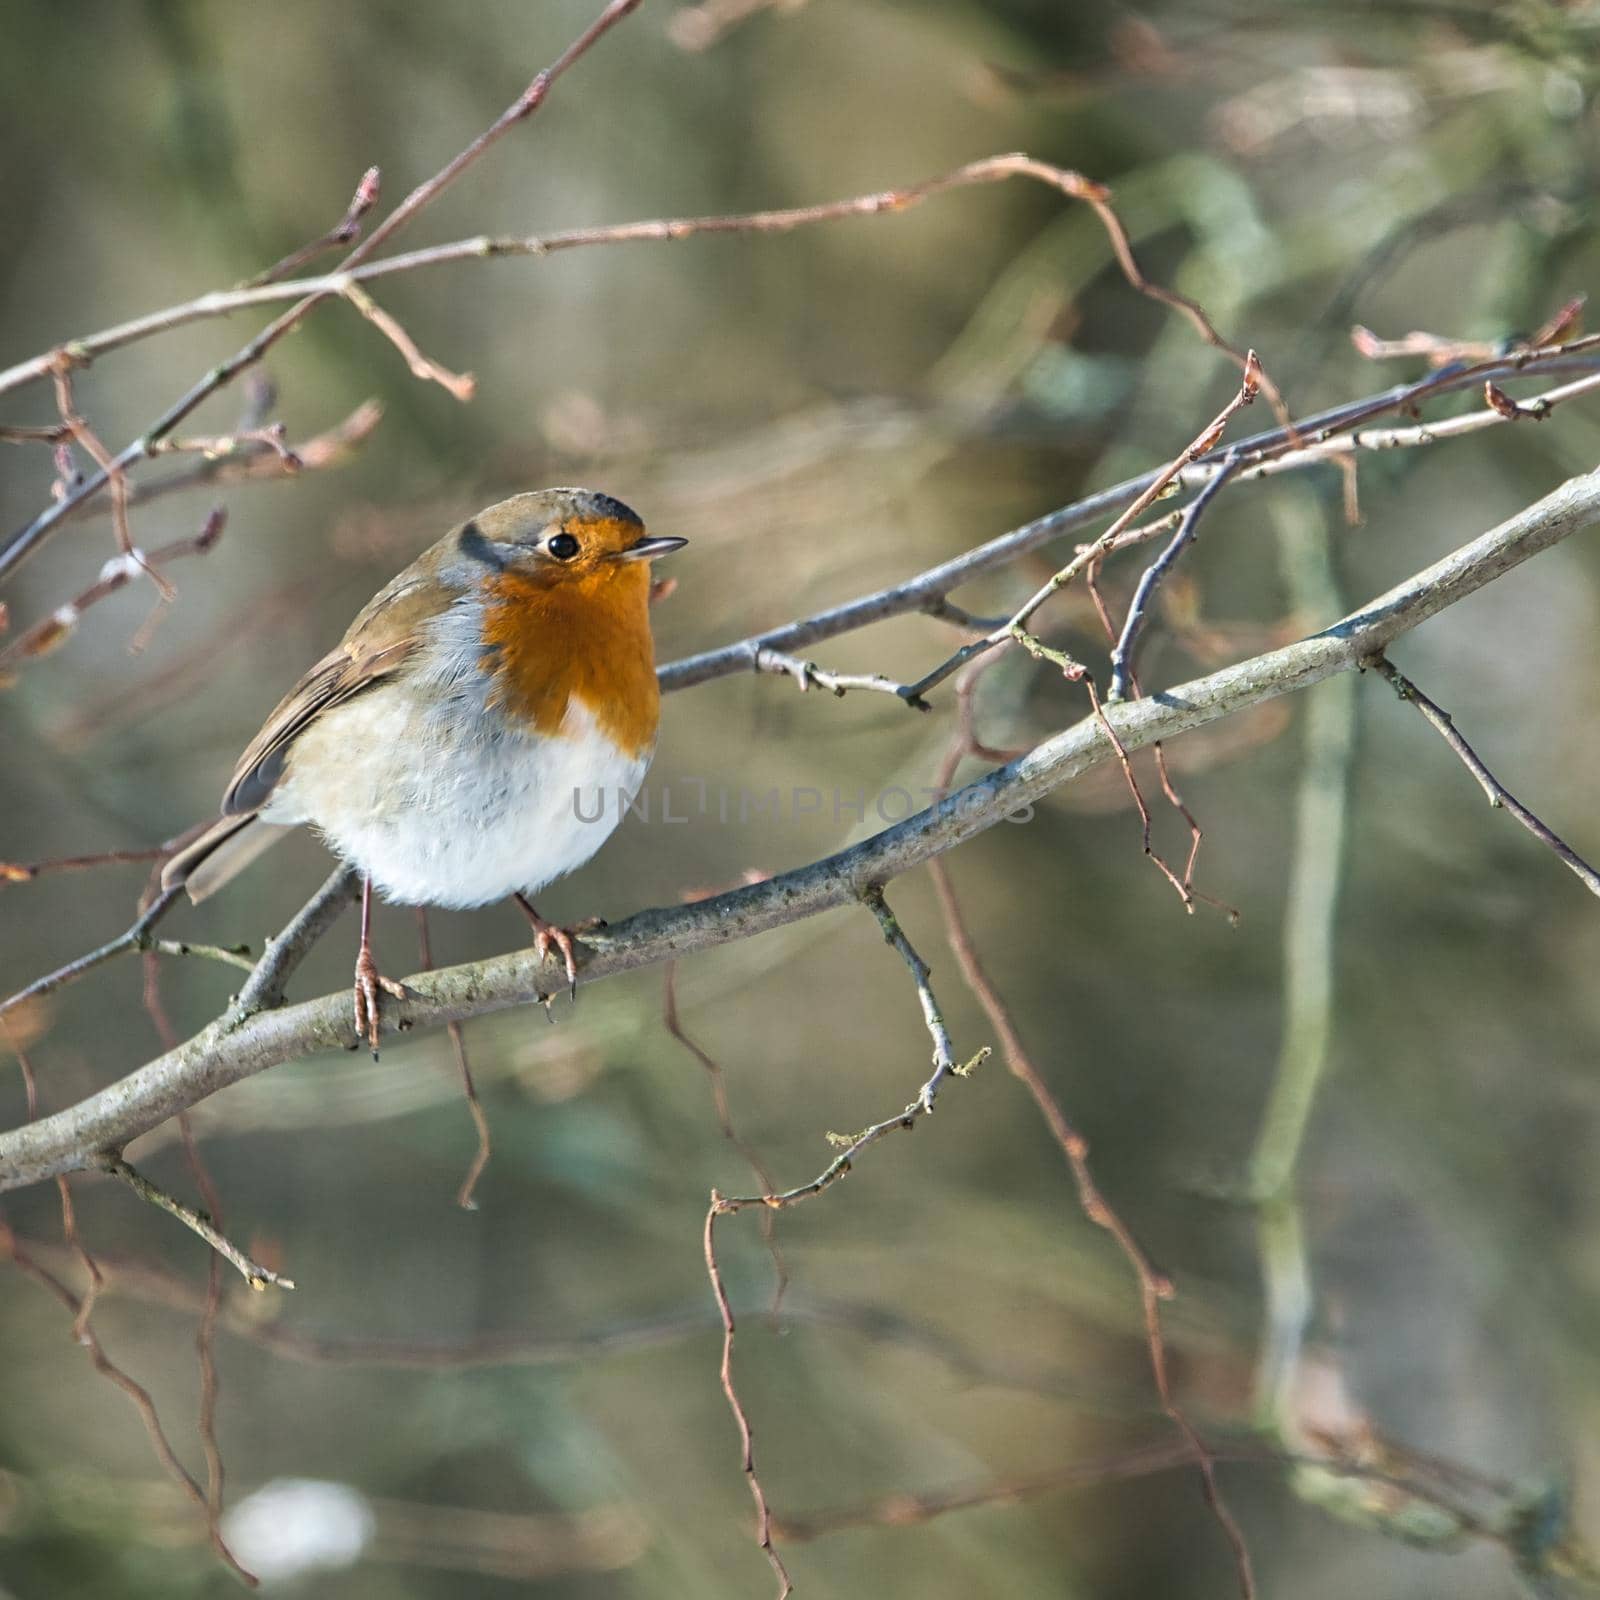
719, 1099
910, 1510
345, 231
1075, 672
84, 436
747, 1459
851, 1145
28, 539
136, 1392
1154, 1287
82, 1310
1090, 557
462, 385
469, 1089
27, 871
205, 1340
55, 629
1443, 351
253, 455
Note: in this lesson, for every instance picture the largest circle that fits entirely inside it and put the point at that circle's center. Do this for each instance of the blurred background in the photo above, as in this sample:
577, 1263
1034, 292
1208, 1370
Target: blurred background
459, 1403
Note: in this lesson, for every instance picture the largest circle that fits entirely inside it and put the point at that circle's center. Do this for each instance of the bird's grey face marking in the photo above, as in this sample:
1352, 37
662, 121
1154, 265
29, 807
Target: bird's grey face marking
475, 547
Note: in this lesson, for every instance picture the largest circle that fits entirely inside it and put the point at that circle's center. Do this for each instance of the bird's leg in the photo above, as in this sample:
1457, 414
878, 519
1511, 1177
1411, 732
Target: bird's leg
546, 934
370, 983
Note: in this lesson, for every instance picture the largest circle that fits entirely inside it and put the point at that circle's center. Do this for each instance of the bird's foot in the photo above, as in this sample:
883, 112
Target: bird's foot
370, 986
547, 935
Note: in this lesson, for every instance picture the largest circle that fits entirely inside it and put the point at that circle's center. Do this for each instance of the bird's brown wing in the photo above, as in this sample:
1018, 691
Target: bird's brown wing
379, 642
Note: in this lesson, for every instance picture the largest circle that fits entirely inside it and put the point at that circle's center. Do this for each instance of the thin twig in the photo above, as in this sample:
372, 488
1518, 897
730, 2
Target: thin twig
1123, 652
50, 433
1202, 443
945, 1065
944, 1050
205, 1339
462, 385
102, 1363
1494, 791
237, 956
910, 1510
138, 937
345, 231
747, 1459
27, 871
807, 674
205, 1343
284, 953
26, 540
253, 1273
357, 268
1314, 441
83, 435
247, 457
469, 1090
719, 1099
81, 1311
54, 630
1154, 1287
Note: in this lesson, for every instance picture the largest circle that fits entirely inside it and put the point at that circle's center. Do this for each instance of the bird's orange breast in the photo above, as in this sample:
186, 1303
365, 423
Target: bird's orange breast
584, 639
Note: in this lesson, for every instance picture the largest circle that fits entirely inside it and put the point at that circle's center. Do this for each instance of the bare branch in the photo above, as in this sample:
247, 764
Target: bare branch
138, 937
469, 1089
237, 1047
1122, 653
1315, 440
808, 674
253, 1273
1089, 558
293, 945
1494, 791
741, 1418
114, 469
1154, 1287
48, 634
345, 231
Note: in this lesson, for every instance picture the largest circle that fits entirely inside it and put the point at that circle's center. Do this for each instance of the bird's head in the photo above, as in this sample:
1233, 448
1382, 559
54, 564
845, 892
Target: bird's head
559, 537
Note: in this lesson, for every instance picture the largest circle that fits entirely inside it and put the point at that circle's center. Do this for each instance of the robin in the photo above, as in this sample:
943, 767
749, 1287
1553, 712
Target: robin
440, 747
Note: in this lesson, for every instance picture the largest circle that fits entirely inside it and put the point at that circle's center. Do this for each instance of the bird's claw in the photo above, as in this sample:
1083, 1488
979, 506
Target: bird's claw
546, 936
370, 985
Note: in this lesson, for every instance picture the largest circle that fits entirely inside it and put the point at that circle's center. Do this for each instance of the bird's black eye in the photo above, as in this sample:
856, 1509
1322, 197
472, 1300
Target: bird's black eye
563, 547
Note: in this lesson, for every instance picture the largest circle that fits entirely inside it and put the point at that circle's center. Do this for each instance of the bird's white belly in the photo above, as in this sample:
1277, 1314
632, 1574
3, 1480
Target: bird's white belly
452, 810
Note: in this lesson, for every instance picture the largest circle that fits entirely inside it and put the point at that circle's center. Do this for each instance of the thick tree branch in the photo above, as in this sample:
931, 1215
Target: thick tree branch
230, 1050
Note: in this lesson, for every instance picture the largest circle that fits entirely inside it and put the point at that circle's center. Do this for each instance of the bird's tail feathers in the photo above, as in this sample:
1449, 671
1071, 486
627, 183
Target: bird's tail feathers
219, 855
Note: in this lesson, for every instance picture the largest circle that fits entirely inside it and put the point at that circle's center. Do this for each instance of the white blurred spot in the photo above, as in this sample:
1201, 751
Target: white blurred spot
127, 565
296, 1525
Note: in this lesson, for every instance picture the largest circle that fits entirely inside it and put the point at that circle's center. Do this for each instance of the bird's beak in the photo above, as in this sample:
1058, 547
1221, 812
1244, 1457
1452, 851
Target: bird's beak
648, 549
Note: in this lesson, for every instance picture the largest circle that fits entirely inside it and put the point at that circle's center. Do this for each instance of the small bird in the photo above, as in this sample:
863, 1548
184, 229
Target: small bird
441, 748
